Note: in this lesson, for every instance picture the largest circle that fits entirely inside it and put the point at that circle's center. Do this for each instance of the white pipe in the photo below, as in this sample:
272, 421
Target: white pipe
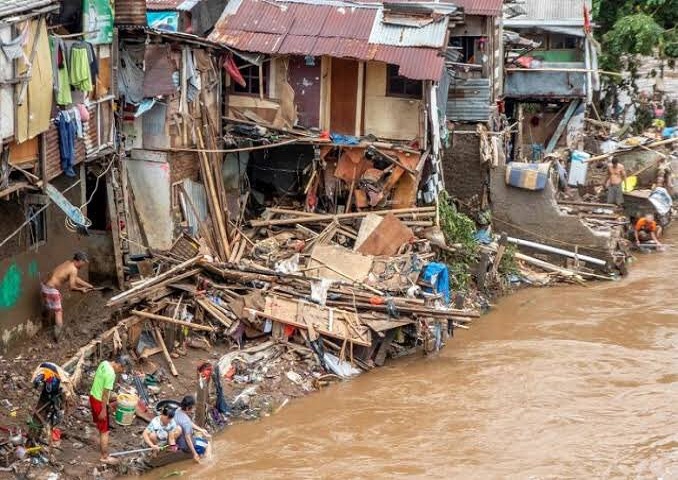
559, 251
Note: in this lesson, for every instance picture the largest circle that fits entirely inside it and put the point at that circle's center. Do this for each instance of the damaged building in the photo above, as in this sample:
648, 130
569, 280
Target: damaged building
367, 73
57, 132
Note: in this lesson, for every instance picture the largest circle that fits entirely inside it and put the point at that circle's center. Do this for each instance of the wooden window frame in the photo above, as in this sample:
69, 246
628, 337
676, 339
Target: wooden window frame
246, 70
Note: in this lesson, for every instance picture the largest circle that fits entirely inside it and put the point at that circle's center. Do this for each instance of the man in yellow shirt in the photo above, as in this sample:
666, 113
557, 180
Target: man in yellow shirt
99, 397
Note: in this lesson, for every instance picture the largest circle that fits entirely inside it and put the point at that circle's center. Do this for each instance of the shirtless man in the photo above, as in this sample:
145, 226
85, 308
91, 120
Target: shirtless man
616, 174
66, 273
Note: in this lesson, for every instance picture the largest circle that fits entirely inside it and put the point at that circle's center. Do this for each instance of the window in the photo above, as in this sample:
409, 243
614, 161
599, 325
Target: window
251, 75
36, 215
562, 42
397, 86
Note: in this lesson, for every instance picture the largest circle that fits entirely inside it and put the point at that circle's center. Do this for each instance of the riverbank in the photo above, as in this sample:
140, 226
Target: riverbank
562, 382
301, 311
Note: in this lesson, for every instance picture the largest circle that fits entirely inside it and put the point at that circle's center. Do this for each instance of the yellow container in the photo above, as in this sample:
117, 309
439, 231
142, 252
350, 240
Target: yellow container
126, 409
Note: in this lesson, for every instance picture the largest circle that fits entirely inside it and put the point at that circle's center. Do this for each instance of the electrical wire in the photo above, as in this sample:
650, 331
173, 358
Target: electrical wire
71, 226
32, 217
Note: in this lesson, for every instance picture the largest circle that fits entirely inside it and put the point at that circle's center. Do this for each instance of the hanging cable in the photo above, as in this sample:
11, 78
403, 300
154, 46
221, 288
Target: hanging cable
71, 226
32, 217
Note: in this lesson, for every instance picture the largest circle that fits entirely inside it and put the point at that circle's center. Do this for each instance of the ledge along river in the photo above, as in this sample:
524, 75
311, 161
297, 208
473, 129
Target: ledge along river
555, 383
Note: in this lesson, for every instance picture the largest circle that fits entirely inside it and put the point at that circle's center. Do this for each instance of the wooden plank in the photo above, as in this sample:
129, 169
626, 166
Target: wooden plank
115, 231
152, 281
561, 126
161, 342
162, 318
387, 238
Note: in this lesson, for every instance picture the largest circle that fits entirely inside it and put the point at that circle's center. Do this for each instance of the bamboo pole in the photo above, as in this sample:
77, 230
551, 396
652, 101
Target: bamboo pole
604, 156
152, 281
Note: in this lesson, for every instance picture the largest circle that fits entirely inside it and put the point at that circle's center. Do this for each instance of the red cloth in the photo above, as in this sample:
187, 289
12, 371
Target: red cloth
233, 71
97, 407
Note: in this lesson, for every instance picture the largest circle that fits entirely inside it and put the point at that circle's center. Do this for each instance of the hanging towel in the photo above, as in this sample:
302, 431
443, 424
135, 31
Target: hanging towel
13, 49
60, 77
81, 77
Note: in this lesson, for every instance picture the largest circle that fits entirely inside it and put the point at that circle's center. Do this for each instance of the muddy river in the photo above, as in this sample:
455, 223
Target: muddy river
570, 382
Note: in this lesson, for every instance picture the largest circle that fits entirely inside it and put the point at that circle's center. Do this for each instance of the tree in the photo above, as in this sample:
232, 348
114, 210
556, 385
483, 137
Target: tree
635, 27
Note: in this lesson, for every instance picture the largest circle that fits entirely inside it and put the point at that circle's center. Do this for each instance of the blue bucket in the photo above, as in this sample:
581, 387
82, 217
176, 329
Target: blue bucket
200, 445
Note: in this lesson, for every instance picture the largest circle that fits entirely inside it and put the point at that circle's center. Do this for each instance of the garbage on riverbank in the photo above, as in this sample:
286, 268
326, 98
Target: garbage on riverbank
307, 300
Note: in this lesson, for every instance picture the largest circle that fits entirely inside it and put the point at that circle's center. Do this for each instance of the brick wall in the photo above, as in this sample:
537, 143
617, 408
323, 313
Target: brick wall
184, 165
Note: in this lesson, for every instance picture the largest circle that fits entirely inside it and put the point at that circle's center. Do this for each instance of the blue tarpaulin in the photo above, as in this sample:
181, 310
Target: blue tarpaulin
438, 275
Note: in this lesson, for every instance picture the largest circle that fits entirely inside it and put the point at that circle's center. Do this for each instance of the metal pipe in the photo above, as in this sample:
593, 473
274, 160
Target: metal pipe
558, 251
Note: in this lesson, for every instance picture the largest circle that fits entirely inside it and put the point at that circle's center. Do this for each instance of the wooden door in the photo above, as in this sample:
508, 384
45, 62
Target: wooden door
305, 81
343, 96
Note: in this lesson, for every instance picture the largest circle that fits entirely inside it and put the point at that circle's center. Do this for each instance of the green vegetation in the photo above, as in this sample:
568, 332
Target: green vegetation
458, 230
635, 27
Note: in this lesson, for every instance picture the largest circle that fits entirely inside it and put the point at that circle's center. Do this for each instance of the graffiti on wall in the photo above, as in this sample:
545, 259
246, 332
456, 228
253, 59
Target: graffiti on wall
10, 287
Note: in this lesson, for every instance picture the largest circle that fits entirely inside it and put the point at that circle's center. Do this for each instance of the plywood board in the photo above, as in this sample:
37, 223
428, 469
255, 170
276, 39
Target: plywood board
331, 322
330, 259
367, 226
387, 238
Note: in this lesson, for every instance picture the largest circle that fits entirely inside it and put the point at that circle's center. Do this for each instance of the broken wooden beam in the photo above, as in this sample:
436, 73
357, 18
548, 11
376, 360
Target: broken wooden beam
162, 318
168, 357
342, 216
147, 284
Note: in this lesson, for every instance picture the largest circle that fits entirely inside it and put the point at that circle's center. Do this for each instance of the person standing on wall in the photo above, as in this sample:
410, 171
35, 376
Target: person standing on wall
99, 397
616, 175
64, 274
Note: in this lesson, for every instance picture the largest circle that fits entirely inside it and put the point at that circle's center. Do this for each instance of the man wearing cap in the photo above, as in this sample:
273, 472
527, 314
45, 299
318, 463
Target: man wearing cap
64, 274
99, 397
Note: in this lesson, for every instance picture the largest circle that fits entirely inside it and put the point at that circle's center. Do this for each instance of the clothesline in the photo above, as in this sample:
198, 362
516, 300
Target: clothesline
72, 35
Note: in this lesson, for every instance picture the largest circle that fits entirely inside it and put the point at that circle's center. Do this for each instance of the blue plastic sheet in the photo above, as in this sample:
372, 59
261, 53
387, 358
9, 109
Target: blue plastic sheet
438, 275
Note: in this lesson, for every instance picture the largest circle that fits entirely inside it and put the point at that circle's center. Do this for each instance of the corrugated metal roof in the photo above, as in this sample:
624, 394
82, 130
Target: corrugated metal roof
14, 7
469, 100
554, 12
489, 8
130, 13
163, 4
334, 28
432, 35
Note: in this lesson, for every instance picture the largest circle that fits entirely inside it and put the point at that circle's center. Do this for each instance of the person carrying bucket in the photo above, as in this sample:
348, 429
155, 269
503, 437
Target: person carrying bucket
101, 395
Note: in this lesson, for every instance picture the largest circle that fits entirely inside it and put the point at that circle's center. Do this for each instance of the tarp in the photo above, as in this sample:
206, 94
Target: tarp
438, 275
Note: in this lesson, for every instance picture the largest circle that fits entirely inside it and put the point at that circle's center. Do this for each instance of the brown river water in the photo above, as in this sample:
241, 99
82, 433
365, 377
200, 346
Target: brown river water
555, 383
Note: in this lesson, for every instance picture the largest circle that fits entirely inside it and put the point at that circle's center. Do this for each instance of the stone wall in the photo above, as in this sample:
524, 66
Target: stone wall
535, 216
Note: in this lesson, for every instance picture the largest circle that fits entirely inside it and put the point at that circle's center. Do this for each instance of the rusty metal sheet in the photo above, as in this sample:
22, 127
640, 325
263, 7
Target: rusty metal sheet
347, 22
414, 63
158, 72
263, 17
163, 4
14, 7
298, 45
489, 8
308, 20
130, 12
